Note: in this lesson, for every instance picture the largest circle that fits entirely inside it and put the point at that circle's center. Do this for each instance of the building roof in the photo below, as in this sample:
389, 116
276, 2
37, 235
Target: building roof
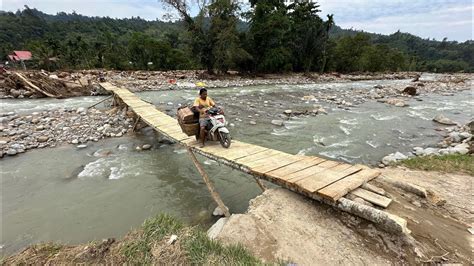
21, 55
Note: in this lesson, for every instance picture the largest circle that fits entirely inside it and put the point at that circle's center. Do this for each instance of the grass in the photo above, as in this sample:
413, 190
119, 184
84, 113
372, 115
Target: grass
148, 245
194, 246
454, 163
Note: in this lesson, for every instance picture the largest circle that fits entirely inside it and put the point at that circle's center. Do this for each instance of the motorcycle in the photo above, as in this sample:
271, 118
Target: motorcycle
216, 130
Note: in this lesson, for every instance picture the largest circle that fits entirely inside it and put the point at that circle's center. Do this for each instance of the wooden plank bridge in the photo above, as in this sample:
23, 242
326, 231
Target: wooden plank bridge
321, 179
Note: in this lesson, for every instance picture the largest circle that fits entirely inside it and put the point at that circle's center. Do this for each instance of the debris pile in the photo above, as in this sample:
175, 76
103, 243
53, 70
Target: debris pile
41, 84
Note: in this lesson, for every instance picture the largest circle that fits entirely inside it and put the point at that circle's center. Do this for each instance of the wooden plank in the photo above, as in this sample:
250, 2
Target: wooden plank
374, 189
244, 153
322, 179
342, 187
269, 166
236, 151
294, 177
258, 156
300, 165
371, 197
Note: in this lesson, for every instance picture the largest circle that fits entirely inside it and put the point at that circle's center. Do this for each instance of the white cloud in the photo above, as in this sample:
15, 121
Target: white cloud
147, 9
427, 19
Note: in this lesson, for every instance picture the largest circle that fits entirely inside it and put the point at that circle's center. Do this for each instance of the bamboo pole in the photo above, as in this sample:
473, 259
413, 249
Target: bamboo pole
136, 123
259, 183
101, 101
209, 184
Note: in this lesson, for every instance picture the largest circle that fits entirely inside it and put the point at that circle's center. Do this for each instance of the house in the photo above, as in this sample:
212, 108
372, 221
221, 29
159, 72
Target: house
17, 56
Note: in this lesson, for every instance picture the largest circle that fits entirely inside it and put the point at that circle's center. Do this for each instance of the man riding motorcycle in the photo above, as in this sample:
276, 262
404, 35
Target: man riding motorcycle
201, 105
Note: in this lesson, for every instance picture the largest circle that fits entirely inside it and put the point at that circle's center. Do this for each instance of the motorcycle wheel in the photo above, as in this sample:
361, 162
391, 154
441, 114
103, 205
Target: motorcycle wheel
224, 139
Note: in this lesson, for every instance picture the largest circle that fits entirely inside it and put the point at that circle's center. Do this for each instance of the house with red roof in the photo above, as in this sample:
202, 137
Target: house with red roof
17, 56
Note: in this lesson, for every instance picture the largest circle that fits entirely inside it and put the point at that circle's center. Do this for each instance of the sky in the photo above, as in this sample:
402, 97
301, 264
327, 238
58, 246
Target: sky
425, 18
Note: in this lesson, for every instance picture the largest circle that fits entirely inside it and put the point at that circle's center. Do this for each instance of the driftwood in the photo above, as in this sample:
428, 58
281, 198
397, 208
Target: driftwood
33, 86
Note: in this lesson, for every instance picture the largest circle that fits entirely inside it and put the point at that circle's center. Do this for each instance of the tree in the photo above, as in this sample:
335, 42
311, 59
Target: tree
268, 35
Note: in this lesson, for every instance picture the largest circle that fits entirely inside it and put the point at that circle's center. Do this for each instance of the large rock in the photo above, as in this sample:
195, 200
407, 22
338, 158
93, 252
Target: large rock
11, 152
216, 228
277, 122
42, 138
393, 158
443, 120
461, 148
397, 102
410, 90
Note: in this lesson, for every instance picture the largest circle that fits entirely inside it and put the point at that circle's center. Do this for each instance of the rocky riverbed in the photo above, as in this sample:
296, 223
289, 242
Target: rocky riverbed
85, 82
20, 133
458, 139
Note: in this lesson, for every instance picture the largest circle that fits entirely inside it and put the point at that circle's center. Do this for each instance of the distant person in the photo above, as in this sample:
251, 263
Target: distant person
201, 105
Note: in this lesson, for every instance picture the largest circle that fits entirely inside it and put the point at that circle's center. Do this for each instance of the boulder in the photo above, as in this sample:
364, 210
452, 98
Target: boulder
253, 122
218, 211
461, 148
396, 102
42, 138
215, 229
277, 122
146, 147
410, 90
443, 120
11, 152
393, 158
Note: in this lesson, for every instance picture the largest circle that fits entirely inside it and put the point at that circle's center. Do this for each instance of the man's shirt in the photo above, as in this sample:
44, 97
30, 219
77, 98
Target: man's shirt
208, 103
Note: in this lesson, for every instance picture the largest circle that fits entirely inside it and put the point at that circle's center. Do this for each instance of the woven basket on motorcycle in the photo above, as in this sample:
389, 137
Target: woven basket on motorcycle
188, 121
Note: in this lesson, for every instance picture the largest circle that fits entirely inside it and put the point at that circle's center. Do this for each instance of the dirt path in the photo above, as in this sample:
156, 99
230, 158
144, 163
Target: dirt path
281, 225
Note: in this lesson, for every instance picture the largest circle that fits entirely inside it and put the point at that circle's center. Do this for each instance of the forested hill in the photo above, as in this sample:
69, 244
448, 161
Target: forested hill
78, 41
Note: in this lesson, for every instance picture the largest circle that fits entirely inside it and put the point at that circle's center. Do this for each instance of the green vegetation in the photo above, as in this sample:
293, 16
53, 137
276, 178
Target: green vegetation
146, 246
446, 163
269, 37
194, 245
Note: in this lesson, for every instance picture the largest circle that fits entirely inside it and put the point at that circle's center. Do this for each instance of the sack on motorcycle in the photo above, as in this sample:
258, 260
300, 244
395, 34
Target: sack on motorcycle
187, 116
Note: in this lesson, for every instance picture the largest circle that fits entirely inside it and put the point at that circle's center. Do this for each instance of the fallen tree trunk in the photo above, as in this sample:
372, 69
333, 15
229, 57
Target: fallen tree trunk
33, 86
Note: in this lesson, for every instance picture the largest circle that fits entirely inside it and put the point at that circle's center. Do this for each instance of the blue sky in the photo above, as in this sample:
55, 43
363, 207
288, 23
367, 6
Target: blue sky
426, 18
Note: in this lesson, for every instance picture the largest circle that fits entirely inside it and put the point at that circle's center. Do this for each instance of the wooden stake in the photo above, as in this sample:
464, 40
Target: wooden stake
209, 184
136, 123
259, 183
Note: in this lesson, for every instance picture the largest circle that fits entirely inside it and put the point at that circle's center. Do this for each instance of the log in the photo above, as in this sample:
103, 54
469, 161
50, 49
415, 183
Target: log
209, 184
417, 190
374, 189
33, 86
387, 221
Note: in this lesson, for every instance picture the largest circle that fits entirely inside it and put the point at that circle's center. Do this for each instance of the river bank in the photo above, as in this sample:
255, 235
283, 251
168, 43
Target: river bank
282, 225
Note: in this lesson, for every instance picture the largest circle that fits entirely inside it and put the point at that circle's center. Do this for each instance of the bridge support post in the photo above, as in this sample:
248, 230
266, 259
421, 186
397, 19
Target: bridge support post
260, 184
209, 184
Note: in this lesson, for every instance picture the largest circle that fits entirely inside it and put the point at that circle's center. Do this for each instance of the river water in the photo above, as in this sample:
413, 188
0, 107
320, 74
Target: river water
77, 195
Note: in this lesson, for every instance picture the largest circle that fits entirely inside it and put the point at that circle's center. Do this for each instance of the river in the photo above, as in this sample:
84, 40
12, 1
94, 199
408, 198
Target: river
75, 195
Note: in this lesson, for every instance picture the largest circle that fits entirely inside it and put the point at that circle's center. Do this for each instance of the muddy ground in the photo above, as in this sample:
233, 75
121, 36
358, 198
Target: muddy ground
282, 225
